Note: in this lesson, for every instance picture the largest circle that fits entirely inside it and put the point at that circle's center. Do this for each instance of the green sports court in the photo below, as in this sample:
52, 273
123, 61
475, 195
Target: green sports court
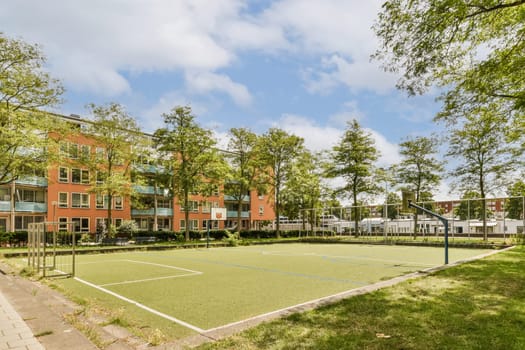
197, 290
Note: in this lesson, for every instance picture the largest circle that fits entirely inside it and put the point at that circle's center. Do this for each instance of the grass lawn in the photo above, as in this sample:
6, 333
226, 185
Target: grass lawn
478, 305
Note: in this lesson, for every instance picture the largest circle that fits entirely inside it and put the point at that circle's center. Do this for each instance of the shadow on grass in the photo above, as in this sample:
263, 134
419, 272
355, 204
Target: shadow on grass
478, 305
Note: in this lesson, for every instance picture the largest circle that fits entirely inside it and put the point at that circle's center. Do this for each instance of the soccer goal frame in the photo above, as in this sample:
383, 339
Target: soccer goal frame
51, 248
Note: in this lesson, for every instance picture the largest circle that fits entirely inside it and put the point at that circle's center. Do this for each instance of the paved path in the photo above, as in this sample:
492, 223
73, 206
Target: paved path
14, 332
28, 308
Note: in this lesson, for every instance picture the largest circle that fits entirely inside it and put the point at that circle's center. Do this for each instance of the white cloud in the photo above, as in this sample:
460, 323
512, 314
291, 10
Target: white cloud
389, 151
151, 118
356, 75
204, 82
91, 43
316, 138
319, 138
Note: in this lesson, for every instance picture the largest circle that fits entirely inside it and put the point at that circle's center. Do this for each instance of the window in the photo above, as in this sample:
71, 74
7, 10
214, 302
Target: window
192, 205
100, 153
73, 151
80, 176
261, 210
63, 149
100, 177
206, 207
22, 222
75, 176
80, 224
63, 174
25, 195
194, 224
215, 191
84, 177
102, 202
85, 151
62, 199
79, 200
118, 222
62, 225
5, 194
118, 202
214, 224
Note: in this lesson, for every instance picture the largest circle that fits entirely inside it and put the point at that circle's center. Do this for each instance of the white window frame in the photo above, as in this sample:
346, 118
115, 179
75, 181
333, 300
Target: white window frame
61, 203
83, 200
60, 178
118, 200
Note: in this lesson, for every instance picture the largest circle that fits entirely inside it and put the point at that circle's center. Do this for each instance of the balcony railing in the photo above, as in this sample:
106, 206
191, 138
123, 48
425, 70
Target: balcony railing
32, 181
149, 190
234, 199
150, 212
32, 207
233, 214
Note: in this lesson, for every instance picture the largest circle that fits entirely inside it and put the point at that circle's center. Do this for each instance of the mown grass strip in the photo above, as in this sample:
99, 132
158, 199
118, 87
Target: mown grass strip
478, 305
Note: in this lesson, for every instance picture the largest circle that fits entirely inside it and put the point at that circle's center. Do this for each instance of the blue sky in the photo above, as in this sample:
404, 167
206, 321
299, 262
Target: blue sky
301, 65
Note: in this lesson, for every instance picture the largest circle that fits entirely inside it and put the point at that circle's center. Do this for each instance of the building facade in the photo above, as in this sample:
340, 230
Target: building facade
64, 194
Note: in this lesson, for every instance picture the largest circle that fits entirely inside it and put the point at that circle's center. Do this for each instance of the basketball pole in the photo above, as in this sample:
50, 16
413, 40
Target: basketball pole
440, 218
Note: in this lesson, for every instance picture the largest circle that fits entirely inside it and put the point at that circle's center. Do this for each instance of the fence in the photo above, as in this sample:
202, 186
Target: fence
469, 218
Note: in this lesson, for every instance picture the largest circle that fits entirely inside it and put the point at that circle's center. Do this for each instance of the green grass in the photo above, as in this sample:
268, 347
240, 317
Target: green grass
478, 305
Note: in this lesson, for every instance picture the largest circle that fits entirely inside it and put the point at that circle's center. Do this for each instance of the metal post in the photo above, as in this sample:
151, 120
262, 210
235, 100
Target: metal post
208, 234
441, 218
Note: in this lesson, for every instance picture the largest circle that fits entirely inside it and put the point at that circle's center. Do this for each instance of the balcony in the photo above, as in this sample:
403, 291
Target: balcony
31, 207
233, 199
32, 181
149, 212
150, 190
233, 214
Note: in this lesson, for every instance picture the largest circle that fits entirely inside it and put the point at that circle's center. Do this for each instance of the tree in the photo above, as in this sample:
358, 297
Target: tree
192, 162
118, 141
25, 89
474, 50
353, 160
419, 170
246, 168
303, 189
485, 158
393, 201
279, 152
514, 205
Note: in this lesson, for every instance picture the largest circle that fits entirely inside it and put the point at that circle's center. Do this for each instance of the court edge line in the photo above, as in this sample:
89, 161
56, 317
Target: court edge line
352, 292
142, 306
149, 279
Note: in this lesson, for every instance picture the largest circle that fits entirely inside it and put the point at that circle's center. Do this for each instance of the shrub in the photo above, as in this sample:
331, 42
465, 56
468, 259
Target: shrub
232, 238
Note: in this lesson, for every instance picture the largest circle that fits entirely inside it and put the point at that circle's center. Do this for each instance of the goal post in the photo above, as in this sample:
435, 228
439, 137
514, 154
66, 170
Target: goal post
51, 248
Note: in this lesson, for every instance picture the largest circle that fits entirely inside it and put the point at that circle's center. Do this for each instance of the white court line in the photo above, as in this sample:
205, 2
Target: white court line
142, 306
150, 279
162, 265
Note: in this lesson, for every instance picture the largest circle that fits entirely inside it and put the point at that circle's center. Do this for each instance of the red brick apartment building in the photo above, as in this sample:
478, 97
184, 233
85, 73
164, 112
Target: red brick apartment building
62, 195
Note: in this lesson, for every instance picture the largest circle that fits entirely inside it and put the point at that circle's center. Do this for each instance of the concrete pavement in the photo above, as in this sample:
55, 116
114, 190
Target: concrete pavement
15, 334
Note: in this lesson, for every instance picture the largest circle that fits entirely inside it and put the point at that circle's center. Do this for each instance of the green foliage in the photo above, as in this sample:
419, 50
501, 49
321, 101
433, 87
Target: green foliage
128, 228
303, 189
25, 88
473, 49
120, 138
193, 164
232, 238
353, 159
246, 170
514, 205
279, 152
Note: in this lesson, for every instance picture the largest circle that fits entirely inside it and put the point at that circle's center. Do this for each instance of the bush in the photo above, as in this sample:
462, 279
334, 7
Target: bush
232, 238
